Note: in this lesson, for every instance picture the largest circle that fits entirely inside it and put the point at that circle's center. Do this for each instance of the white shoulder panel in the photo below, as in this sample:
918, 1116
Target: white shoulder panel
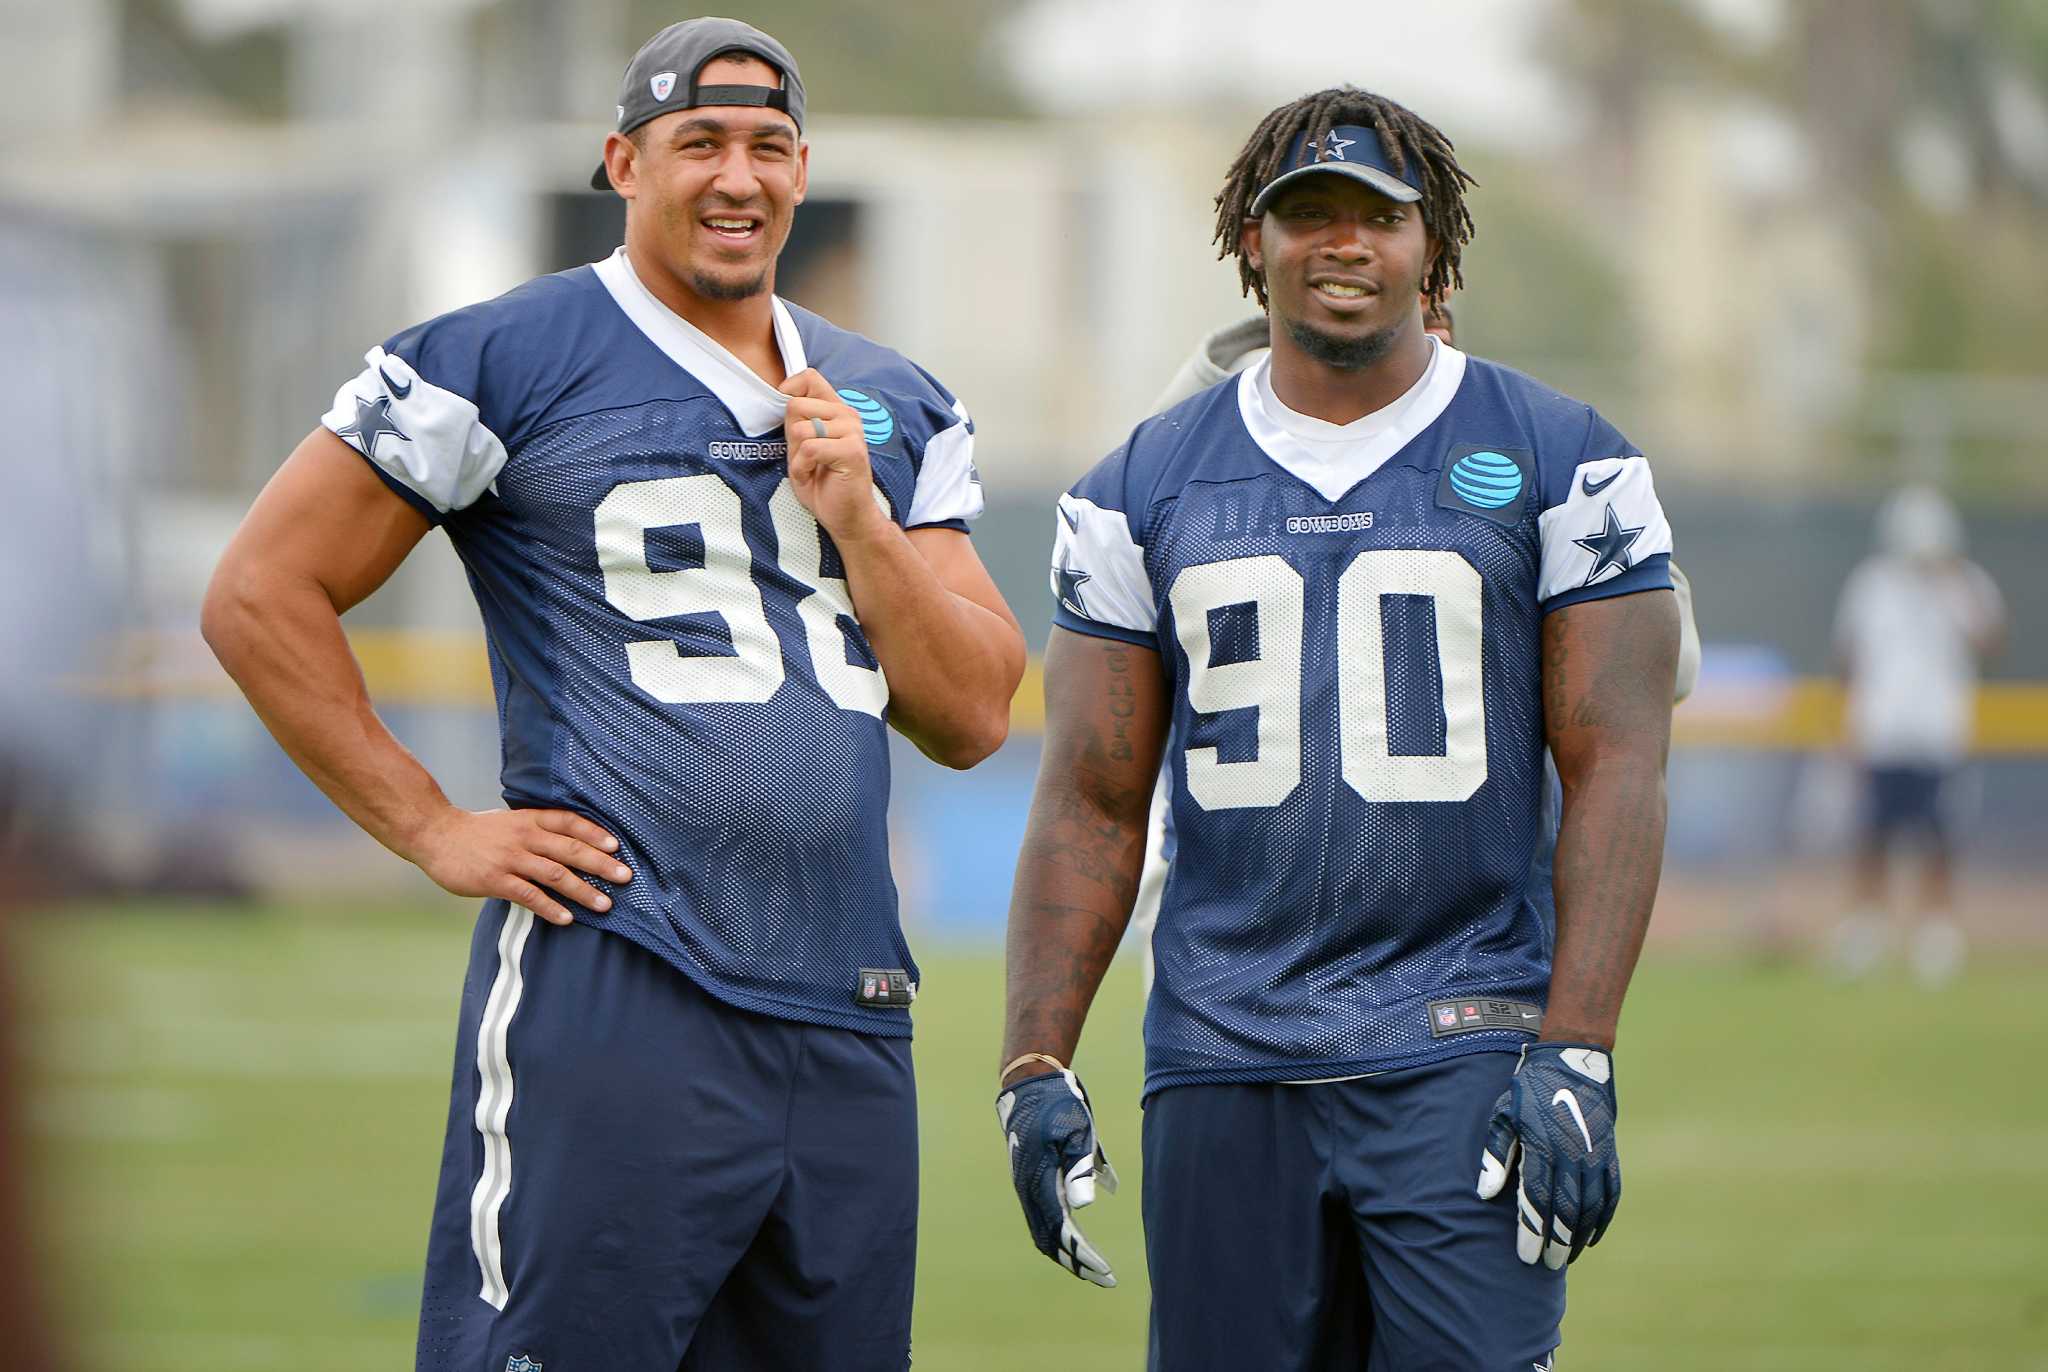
948, 486
1608, 522
1098, 571
429, 440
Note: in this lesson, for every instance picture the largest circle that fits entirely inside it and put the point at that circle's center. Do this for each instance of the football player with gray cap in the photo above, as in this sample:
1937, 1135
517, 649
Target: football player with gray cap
720, 546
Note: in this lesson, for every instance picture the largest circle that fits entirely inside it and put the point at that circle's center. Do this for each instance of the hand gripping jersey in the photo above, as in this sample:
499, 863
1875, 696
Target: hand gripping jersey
1349, 618
671, 638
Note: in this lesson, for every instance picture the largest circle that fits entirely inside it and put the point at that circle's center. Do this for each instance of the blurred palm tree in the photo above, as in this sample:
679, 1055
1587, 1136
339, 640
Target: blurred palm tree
1857, 75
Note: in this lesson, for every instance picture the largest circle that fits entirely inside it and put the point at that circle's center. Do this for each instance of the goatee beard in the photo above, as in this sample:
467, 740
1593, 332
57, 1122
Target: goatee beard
1345, 354
713, 288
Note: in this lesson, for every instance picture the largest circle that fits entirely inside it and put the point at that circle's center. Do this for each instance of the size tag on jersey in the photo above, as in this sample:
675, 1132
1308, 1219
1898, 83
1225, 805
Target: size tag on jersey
1448, 1017
884, 986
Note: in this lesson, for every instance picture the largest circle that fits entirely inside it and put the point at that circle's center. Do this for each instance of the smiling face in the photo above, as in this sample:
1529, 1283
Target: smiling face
713, 190
1343, 266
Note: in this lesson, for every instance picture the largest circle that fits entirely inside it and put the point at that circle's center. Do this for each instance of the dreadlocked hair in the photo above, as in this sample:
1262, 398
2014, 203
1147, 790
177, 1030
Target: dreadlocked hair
1405, 137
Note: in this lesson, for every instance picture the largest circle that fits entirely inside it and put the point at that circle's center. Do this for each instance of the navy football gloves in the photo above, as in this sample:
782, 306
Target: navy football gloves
1558, 1114
1055, 1164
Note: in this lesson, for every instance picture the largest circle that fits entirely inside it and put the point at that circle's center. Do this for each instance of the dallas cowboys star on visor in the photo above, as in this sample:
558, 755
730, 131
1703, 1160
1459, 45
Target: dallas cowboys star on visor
1348, 150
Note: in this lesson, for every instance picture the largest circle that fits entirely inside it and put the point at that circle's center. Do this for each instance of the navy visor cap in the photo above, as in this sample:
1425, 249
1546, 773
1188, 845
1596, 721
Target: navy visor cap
1347, 150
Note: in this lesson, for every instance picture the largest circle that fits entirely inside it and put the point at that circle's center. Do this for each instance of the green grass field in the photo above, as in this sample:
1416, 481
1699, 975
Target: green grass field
240, 1116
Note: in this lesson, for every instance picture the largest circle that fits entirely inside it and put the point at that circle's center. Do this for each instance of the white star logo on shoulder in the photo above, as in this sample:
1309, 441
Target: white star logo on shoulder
1333, 147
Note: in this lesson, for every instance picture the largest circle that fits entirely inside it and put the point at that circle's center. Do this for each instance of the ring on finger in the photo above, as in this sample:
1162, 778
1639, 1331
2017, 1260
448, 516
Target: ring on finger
819, 425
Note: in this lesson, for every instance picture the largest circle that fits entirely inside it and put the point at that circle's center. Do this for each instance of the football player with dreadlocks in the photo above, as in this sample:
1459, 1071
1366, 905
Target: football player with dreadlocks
1225, 352
1349, 595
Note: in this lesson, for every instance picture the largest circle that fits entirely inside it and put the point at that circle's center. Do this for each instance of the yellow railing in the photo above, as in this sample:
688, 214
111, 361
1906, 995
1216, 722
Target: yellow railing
448, 668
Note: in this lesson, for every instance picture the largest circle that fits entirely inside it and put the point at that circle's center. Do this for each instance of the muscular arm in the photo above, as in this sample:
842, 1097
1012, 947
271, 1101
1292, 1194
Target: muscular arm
1607, 665
321, 537
946, 640
1084, 843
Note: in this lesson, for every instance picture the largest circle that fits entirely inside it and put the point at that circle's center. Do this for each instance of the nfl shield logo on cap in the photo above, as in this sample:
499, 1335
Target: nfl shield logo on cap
662, 84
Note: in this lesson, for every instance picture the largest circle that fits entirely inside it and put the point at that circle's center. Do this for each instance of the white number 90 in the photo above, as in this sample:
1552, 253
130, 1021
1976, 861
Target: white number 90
1272, 682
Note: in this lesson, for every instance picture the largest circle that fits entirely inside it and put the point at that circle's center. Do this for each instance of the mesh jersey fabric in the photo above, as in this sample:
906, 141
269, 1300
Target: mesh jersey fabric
1355, 758
670, 638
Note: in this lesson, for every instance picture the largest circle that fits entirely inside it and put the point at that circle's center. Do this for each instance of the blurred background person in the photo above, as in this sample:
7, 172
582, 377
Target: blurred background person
59, 587
1917, 619
1437, 320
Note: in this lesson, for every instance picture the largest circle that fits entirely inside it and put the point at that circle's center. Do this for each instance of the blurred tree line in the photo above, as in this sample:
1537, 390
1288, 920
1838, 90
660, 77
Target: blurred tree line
1925, 125
924, 57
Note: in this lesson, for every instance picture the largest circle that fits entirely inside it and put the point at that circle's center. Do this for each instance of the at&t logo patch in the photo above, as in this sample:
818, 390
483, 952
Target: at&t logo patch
1490, 482
876, 423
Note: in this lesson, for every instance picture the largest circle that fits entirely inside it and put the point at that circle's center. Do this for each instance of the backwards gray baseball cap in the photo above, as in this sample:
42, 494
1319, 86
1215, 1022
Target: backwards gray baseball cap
663, 76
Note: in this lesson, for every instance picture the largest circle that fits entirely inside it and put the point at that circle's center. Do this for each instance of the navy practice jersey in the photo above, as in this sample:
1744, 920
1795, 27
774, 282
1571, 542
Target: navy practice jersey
1349, 618
670, 632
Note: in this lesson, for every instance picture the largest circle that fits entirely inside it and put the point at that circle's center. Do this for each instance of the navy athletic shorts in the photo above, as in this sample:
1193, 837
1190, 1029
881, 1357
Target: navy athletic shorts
1903, 798
1302, 1228
640, 1178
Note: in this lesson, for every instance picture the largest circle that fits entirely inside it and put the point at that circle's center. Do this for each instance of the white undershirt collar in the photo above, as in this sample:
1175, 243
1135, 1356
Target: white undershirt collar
1333, 458
757, 406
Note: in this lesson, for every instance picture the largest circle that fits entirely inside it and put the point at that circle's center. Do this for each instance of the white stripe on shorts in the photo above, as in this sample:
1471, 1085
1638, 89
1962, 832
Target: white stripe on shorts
494, 1103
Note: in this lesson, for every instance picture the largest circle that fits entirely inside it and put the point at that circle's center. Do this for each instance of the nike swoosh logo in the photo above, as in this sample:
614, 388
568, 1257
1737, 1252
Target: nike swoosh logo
1571, 1103
398, 392
1532, 1014
1592, 487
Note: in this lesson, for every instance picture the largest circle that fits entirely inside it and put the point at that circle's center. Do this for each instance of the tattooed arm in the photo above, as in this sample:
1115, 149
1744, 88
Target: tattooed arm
1077, 873
1607, 672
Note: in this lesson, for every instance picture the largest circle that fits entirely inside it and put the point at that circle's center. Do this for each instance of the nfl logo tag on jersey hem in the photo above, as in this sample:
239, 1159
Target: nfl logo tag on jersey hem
1468, 1014
1487, 481
886, 986
519, 1362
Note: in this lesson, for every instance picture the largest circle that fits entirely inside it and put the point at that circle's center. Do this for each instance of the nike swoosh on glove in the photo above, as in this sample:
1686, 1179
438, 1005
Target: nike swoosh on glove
1557, 1119
1055, 1164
